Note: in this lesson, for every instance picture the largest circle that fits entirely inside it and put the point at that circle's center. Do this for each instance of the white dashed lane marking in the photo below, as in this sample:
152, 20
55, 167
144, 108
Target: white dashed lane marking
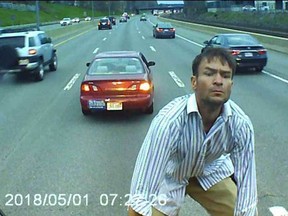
71, 82
152, 48
278, 211
176, 79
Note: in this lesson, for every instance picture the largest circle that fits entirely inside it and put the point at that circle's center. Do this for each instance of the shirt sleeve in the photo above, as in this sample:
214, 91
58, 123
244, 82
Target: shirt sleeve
243, 158
150, 167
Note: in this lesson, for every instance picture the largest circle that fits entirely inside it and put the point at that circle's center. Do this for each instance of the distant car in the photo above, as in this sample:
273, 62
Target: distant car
163, 29
87, 19
118, 80
104, 23
143, 18
264, 8
112, 20
249, 8
123, 19
65, 22
76, 20
248, 52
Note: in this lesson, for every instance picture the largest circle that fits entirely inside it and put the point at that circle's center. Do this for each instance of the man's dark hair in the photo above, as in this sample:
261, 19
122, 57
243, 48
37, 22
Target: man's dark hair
210, 53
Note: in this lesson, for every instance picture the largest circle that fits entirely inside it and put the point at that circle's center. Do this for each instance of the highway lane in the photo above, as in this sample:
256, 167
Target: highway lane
48, 147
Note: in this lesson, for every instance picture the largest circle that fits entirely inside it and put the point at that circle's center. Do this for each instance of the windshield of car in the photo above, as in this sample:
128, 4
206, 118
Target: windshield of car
165, 25
241, 40
15, 42
116, 65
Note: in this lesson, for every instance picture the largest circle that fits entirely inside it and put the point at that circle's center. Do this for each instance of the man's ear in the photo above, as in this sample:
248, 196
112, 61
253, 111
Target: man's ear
194, 82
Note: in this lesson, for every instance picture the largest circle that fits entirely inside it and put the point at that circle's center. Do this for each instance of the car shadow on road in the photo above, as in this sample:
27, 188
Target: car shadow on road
119, 116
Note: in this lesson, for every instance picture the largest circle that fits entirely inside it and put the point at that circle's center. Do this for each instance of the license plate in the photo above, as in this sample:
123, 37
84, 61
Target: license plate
248, 54
166, 30
23, 61
96, 104
114, 106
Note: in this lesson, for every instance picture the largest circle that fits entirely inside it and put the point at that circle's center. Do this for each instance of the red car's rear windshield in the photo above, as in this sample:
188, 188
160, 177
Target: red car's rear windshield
115, 65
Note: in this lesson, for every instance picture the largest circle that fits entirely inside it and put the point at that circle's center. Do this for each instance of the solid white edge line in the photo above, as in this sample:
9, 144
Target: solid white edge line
71, 82
276, 77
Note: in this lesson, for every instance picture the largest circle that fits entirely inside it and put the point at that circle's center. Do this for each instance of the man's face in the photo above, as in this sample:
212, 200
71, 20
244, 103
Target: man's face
213, 84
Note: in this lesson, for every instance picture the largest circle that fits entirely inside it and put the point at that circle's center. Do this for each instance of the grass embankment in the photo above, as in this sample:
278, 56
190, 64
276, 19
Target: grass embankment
48, 13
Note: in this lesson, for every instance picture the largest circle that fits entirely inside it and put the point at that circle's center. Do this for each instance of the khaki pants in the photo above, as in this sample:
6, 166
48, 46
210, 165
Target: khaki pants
219, 200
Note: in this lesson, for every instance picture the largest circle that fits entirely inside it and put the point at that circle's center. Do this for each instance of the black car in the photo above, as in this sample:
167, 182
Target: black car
246, 49
163, 29
104, 23
143, 18
112, 20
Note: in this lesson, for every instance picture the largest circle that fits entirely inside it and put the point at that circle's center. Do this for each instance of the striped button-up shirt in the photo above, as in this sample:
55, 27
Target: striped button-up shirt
176, 148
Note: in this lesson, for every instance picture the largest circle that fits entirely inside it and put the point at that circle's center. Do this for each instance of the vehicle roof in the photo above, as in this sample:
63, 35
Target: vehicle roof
30, 33
234, 34
118, 54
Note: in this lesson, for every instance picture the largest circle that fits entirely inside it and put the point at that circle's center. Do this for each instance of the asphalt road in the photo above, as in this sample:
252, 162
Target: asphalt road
55, 161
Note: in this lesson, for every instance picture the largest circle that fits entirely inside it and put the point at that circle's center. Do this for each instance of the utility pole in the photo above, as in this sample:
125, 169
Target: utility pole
92, 3
37, 15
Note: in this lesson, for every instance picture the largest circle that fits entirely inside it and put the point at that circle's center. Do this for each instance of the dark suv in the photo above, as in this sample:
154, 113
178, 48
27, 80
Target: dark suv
112, 20
34, 51
104, 23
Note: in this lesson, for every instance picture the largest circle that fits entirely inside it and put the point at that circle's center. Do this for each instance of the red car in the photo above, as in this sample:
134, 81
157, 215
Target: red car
118, 80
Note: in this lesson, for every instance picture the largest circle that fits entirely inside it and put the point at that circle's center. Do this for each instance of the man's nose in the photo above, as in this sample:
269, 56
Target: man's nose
218, 79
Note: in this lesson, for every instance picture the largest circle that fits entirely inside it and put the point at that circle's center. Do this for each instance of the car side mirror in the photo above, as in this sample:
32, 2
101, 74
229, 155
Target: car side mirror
151, 63
49, 40
88, 64
206, 42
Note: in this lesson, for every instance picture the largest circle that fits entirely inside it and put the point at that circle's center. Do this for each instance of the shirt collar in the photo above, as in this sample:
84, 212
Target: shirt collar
192, 107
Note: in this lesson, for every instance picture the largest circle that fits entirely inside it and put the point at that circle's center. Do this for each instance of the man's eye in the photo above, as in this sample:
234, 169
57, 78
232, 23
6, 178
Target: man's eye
208, 73
227, 76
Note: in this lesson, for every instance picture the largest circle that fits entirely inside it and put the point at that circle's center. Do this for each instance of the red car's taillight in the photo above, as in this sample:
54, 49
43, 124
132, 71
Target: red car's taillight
262, 51
86, 87
145, 86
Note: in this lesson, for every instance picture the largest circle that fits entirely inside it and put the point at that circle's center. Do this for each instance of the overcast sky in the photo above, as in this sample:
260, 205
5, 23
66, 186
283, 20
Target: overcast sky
170, 2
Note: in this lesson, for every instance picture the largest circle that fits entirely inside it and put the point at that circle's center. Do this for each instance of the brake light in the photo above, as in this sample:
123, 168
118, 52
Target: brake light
145, 86
32, 51
235, 52
85, 88
159, 29
262, 51
173, 29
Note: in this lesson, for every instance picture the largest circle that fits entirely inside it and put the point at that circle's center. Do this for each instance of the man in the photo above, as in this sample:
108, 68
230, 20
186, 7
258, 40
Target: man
193, 146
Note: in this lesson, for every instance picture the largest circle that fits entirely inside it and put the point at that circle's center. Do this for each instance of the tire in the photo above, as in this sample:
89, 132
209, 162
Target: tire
259, 69
54, 63
86, 112
39, 75
150, 109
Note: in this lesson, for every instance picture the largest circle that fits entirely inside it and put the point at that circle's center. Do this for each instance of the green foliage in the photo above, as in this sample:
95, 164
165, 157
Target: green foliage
48, 12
